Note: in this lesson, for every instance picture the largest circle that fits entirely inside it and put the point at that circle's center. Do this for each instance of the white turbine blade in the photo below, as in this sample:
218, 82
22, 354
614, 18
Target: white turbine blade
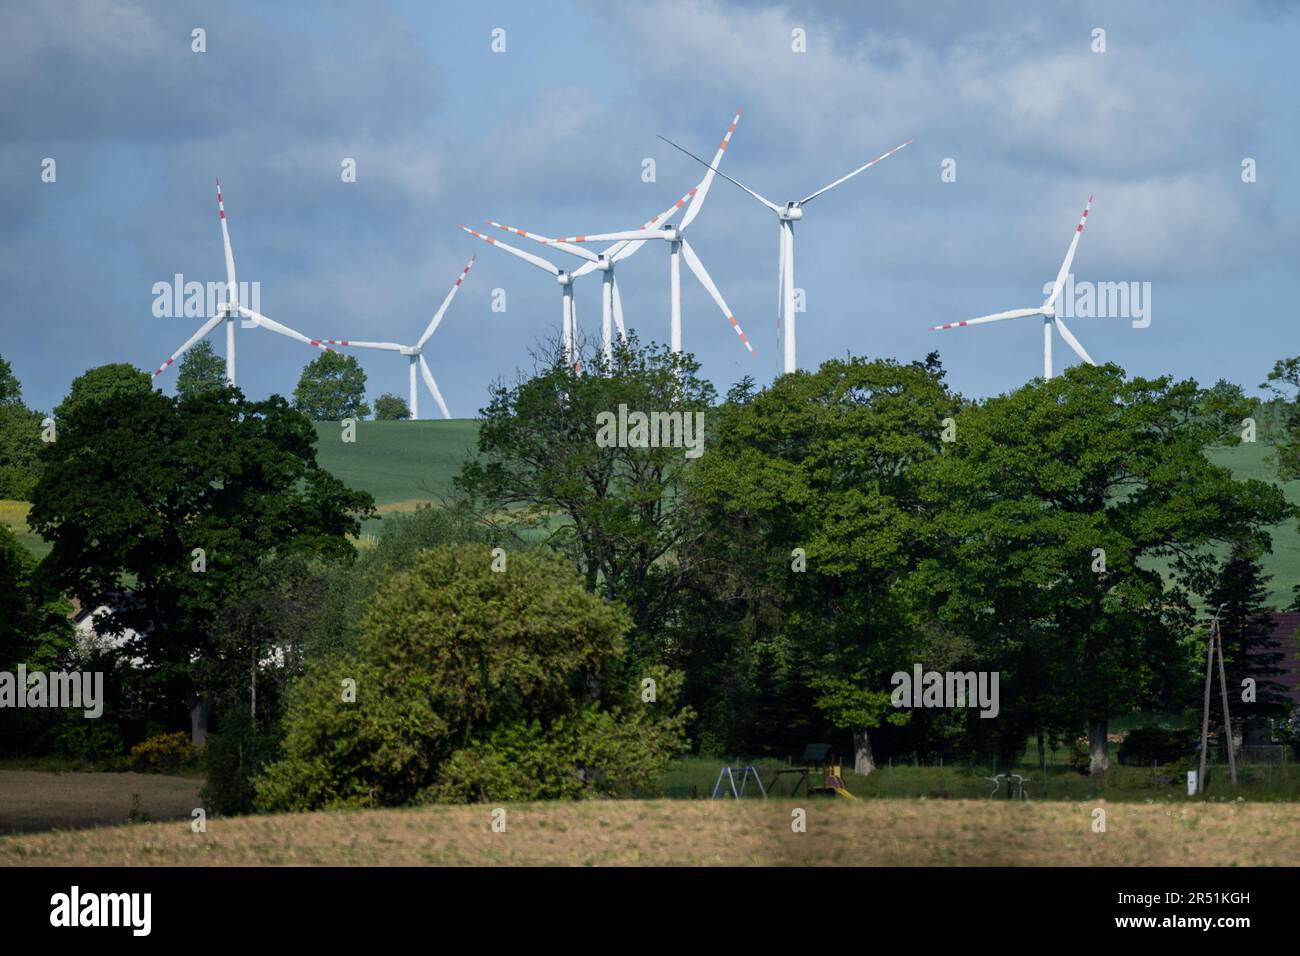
437, 316
780, 279
433, 387
1069, 257
766, 202
696, 266
272, 326
526, 256
995, 317
615, 236
855, 172
582, 270
1072, 342
625, 249
232, 292
204, 329
546, 241
385, 346
618, 311
705, 183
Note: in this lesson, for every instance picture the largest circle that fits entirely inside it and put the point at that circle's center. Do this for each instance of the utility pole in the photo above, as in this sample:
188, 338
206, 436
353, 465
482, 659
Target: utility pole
1215, 641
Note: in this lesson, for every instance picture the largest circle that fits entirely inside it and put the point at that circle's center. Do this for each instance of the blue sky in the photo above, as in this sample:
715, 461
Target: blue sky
551, 135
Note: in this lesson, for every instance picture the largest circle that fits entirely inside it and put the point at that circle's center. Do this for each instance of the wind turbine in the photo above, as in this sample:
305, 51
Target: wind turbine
611, 301
569, 309
1047, 310
415, 352
678, 248
786, 216
230, 308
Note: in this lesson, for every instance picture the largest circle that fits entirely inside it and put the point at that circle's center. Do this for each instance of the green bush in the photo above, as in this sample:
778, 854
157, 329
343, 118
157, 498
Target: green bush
1147, 745
474, 685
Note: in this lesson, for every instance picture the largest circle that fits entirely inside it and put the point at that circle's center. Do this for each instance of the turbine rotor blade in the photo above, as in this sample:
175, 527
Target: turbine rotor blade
232, 292
703, 190
693, 262
526, 256
544, 240
433, 387
615, 236
1069, 258
350, 343
626, 249
766, 202
1072, 342
437, 316
855, 172
204, 329
272, 326
995, 317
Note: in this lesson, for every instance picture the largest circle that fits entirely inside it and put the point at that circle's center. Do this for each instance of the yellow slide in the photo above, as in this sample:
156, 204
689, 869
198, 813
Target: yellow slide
844, 793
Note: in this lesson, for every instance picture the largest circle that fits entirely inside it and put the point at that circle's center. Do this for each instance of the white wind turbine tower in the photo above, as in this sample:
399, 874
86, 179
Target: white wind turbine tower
569, 309
1047, 310
415, 352
786, 216
678, 249
230, 308
611, 301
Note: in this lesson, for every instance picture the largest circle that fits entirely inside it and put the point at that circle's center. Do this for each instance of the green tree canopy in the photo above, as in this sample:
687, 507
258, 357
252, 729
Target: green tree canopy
1050, 514
11, 390
474, 684
182, 500
821, 462
332, 387
202, 370
99, 384
542, 456
391, 408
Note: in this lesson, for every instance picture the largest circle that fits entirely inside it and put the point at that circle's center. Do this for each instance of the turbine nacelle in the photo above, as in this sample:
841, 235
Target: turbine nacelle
791, 212
563, 278
671, 233
604, 263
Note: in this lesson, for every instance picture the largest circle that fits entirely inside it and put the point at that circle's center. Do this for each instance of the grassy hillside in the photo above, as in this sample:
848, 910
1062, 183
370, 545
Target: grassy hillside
13, 515
1249, 461
401, 463
698, 832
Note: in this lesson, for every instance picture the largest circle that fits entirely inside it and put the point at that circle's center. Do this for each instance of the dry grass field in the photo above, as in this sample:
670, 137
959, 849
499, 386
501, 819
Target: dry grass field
863, 833
41, 800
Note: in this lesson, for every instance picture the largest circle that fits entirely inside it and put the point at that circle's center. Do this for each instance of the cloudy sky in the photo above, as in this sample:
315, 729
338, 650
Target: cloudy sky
552, 134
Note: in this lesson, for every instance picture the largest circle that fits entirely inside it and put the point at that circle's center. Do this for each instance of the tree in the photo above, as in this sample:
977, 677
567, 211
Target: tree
332, 388
34, 629
809, 484
1048, 513
550, 447
182, 500
1240, 596
202, 370
100, 384
474, 684
20, 445
11, 390
1284, 382
391, 408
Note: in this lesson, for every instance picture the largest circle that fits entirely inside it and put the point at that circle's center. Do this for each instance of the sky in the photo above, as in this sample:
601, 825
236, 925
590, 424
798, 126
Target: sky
552, 134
